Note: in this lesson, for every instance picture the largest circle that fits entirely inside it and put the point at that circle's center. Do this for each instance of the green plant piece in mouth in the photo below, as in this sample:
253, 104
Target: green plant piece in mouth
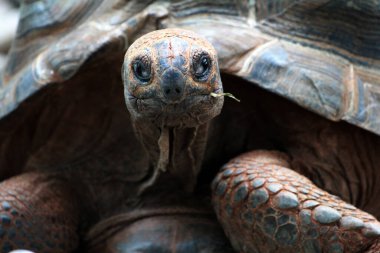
215, 95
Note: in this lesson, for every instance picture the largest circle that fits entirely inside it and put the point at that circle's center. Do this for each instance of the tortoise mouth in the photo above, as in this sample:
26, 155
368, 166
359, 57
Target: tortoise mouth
191, 111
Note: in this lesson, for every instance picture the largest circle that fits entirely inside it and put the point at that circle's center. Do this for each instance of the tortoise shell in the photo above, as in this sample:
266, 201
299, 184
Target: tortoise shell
322, 55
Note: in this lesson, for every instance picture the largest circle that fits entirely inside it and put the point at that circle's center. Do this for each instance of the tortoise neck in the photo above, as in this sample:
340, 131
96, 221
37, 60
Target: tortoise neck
174, 152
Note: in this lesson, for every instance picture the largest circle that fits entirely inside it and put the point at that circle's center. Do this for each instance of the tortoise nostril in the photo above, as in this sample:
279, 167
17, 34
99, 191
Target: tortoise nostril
172, 85
175, 90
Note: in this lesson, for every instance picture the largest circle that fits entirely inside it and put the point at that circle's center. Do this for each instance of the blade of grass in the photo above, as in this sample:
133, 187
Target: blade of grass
215, 95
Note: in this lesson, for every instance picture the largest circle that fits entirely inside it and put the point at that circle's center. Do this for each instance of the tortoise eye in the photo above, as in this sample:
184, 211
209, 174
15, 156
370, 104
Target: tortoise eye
201, 66
142, 69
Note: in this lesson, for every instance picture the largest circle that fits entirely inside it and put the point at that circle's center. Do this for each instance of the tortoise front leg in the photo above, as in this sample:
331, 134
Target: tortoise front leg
266, 207
37, 213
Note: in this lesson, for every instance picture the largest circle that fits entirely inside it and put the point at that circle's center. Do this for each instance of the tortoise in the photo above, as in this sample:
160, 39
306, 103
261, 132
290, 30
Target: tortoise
291, 168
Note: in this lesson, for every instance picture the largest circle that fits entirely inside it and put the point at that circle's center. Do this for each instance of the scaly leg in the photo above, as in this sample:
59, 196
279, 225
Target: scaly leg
266, 207
36, 213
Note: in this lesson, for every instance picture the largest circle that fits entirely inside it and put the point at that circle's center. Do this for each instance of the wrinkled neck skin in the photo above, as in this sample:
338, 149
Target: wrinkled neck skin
175, 151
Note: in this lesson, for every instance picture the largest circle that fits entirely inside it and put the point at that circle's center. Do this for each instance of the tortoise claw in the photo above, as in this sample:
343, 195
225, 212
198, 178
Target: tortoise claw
266, 207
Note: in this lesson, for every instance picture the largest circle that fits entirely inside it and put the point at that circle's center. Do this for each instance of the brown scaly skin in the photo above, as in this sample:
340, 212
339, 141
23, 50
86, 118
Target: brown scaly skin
38, 212
234, 192
276, 209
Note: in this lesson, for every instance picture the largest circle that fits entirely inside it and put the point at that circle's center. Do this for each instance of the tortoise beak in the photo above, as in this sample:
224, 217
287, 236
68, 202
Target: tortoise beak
172, 85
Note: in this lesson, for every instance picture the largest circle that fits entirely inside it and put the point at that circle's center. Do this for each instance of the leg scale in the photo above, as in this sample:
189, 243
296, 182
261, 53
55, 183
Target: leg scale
266, 207
37, 213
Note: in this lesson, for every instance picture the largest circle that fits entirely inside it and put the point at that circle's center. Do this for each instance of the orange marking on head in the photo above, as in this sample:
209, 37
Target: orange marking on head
171, 53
